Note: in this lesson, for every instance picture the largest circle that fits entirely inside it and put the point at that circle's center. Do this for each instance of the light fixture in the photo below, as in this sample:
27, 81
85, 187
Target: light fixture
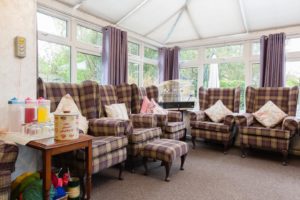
76, 6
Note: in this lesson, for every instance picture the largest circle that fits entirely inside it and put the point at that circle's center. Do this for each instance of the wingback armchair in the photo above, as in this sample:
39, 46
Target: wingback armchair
203, 127
255, 135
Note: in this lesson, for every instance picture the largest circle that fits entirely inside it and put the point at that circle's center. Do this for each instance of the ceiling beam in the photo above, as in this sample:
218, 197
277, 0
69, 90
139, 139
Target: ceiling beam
132, 11
193, 22
242, 10
174, 25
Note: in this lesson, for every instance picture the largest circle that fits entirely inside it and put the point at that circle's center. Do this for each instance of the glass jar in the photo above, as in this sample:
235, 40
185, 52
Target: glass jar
30, 110
43, 110
15, 115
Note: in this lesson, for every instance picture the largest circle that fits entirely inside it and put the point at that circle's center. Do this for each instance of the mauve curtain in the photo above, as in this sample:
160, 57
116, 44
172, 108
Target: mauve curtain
272, 60
168, 63
114, 56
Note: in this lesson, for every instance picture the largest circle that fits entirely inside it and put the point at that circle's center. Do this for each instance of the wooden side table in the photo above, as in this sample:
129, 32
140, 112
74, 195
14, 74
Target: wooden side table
51, 147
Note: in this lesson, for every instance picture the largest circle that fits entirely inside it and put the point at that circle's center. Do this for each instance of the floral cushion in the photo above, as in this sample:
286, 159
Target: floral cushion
269, 115
157, 109
117, 111
217, 112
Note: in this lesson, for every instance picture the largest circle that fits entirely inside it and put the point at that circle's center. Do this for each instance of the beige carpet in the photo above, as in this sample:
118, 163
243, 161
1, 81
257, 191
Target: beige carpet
208, 175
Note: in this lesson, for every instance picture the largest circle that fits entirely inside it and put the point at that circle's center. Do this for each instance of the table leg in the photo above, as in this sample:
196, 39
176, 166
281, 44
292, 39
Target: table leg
88, 186
46, 174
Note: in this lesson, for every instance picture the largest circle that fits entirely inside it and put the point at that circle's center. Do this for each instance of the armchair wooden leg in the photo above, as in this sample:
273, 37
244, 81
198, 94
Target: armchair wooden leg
285, 157
145, 160
168, 168
182, 161
243, 150
131, 163
226, 147
194, 141
121, 168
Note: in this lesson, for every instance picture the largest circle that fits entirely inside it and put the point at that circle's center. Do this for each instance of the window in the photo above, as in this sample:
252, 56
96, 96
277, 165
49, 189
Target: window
54, 62
88, 36
255, 74
88, 67
255, 49
150, 53
190, 74
189, 54
293, 73
292, 45
150, 76
51, 25
133, 73
224, 52
133, 49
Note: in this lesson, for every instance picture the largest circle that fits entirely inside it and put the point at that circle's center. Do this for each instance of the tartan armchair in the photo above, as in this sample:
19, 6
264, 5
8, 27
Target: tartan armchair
8, 157
171, 124
203, 127
255, 135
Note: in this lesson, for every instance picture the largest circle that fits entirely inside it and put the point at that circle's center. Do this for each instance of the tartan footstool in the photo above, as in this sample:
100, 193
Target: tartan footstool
167, 151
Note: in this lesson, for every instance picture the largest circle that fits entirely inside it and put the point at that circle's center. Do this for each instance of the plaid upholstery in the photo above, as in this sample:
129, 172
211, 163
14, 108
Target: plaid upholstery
103, 145
265, 142
174, 135
143, 135
124, 95
174, 116
162, 120
285, 98
197, 115
107, 127
107, 96
165, 149
136, 100
229, 96
245, 119
291, 124
152, 92
211, 135
174, 127
88, 91
143, 120
210, 126
8, 157
134, 149
266, 132
5, 182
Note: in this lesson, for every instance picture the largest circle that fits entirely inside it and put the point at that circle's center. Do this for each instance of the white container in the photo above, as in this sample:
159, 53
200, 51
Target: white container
15, 115
66, 126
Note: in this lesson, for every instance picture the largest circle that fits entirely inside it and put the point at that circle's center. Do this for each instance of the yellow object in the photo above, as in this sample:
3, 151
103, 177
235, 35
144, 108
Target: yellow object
19, 179
43, 114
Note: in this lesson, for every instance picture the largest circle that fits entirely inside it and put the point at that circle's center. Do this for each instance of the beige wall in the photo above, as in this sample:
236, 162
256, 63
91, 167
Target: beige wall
17, 76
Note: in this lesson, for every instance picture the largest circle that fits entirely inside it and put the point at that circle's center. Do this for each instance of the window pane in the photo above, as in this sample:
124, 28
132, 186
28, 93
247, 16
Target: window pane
224, 52
133, 73
150, 53
293, 73
230, 75
190, 74
133, 49
190, 54
51, 25
54, 62
88, 67
255, 74
256, 49
89, 36
150, 75
292, 45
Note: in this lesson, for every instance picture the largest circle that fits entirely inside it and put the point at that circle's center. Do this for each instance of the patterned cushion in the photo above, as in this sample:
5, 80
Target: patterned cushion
211, 135
108, 96
217, 112
174, 136
117, 111
143, 134
8, 155
107, 127
264, 142
174, 127
269, 115
229, 96
165, 149
124, 95
103, 145
266, 132
143, 120
5, 182
210, 126
285, 98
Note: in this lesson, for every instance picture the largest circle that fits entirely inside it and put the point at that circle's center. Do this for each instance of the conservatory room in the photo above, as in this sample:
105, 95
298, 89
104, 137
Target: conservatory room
150, 99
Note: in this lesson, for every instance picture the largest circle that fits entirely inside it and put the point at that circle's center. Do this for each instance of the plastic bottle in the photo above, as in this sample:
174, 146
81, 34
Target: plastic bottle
30, 110
43, 110
15, 115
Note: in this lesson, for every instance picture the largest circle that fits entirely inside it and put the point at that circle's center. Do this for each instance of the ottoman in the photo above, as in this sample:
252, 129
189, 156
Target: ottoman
167, 151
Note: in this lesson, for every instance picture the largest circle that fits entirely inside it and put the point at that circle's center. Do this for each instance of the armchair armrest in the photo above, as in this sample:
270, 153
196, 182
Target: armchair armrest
245, 119
174, 116
291, 123
230, 119
162, 120
8, 156
197, 115
143, 120
109, 127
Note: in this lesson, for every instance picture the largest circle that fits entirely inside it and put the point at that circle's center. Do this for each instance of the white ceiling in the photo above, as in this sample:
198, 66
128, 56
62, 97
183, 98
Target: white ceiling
169, 21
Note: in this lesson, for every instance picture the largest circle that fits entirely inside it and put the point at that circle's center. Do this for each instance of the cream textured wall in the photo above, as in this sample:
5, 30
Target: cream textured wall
17, 76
